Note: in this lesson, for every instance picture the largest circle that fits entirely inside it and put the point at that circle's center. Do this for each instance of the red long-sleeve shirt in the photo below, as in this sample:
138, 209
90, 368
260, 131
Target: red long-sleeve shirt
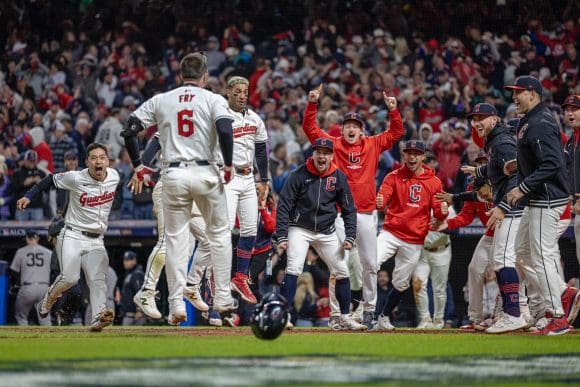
409, 201
358, 161
469, 211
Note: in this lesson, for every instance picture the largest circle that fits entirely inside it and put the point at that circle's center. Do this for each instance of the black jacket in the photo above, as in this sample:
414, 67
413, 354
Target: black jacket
309, 200
500, 146
131, 285
542, 174
573, 154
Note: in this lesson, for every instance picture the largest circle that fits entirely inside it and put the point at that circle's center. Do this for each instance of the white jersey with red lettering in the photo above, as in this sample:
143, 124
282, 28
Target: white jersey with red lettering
186, 119
248, 129
90, 200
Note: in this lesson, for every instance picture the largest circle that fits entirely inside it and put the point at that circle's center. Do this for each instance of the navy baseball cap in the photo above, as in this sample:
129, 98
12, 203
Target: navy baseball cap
129, 255
414, 145
483, 109
352, 116
31, 234
323, 143
526, 82
571, 100
31, 155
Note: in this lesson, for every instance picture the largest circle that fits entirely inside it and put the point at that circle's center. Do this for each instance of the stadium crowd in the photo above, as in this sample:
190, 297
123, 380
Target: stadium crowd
72, 75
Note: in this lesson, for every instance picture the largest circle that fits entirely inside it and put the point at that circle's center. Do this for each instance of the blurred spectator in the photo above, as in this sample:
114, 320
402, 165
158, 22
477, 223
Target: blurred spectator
23, 179
305, 300
60, 143
39, 145
110, 133
449, 149
134, 277
6, 195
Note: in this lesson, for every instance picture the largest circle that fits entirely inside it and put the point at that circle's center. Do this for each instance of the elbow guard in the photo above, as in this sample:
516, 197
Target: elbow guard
132, 127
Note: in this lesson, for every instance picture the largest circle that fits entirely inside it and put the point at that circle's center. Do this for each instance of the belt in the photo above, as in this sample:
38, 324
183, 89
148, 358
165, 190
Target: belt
244, 170
85, 233
34, 283
185, 164
435, 249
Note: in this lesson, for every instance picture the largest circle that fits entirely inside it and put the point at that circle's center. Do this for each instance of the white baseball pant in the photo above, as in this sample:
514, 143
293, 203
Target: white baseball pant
156, 260
242, 201
577, 236
434, 264
328, 247
537, 246
530, 291
503, 250
76, 251
183, 186
480, 263
406, 255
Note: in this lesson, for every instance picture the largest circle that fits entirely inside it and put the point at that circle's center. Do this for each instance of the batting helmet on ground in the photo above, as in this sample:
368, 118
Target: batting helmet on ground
270, 317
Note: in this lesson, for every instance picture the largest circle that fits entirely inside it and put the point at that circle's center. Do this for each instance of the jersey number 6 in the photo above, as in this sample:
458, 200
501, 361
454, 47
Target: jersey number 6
185, 126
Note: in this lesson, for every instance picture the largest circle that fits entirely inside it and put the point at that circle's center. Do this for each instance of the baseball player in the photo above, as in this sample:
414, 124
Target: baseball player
80, 242
31, 264
543, 184
250, 139
434, 263
357, 155
145, 297
500, 146
194, 124
477, 202
408, 196
571, 107
306, 214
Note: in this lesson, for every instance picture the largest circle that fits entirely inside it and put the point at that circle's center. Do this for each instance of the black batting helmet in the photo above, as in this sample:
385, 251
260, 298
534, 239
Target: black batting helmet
270, 317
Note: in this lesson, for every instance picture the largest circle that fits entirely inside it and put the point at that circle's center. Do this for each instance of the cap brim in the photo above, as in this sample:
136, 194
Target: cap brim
413, 149
512, 87
478, 114
325, 147
565, 105
355, 120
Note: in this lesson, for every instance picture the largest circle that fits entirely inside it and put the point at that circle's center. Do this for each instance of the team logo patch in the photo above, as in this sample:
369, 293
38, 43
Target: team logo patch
354, 157
59, 176
331, 184
415, 193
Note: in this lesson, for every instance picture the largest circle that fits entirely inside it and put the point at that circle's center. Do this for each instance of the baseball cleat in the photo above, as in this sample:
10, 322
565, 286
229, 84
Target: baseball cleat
214, 319
383, 324
240, 284
43, 306
438, 323
233, 320
145, 300
571, 303
554, 327
177, 316
425, 323
333, 323
192, 294
102, 320
507, 323
232, 306
289, 325
347, 323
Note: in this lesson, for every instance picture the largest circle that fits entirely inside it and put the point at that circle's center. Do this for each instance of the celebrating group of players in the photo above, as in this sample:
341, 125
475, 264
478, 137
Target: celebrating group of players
206, 146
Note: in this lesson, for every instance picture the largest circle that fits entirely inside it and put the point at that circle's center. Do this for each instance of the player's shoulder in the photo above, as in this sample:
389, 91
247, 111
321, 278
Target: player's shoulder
112, 173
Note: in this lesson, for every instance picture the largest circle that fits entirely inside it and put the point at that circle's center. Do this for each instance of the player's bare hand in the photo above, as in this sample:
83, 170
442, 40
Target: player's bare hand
380, 201
510, 167
135, 185
496, 215
314, 95
444, 197
576, 207
263, 188
514, 196
22, 203
468, 169
283, 245
346, 245
391, 102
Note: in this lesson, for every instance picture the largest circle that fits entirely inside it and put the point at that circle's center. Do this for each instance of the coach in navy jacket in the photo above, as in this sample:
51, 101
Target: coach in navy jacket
307, 210
309, 199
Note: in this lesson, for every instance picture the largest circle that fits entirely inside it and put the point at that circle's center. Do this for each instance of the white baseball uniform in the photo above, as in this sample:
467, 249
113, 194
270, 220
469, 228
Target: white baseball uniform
186, 118
80, 242
248, 129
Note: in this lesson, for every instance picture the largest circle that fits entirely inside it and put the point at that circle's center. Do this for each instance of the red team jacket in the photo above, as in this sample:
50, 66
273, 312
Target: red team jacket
469, 211
358, 161
409, 200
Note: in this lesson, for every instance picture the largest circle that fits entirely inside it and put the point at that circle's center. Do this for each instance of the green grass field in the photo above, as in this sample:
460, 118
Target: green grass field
235, 356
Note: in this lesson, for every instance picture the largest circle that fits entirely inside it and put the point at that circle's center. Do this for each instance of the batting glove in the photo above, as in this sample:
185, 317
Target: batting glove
228, 173
144, 174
